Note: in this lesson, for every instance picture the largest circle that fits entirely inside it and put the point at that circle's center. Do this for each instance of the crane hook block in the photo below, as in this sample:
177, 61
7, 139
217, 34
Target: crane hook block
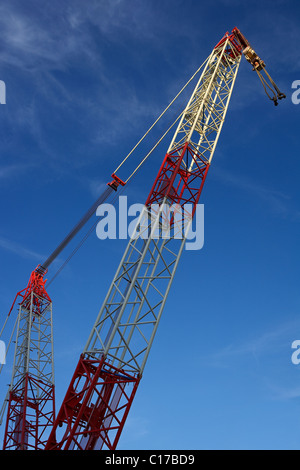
258, 65
115, 182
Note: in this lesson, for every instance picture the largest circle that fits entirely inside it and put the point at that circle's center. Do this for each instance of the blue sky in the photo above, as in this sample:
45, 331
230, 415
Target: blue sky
84, 81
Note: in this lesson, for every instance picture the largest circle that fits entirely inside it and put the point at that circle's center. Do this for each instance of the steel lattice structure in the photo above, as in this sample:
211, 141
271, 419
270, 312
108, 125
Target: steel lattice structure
31, 403
102, 389
99, 397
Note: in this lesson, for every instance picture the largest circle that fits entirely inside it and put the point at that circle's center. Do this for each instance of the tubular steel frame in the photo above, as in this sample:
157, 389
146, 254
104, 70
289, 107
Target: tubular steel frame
101, 392
31, 402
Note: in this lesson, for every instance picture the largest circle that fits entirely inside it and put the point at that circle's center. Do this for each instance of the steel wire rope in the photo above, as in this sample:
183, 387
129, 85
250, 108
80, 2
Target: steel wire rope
91, 229
161, 115
264, 84
82, 241
79, 245
113, 200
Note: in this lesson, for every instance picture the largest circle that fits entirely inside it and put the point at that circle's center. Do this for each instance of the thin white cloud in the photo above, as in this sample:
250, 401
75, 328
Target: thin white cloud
40, 37
21, 251
284, 393
16, 248
271, 342
9, 171
40, 43
26, 41
278, 202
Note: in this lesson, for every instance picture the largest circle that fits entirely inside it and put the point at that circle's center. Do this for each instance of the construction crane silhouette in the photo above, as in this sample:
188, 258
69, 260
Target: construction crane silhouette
111, 365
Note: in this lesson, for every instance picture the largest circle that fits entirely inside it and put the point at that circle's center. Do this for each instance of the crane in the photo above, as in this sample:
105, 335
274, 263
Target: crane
101, 391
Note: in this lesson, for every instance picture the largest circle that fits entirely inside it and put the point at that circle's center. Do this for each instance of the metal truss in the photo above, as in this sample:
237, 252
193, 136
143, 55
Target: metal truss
93, 414
192, 148
128, 320
115, 355
205, 112
95, 407
30, 414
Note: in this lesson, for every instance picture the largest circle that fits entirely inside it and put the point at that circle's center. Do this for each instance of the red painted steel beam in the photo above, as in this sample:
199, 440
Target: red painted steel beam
87, 425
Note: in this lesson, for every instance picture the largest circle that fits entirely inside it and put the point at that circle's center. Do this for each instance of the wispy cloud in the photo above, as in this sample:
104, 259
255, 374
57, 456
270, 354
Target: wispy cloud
46, 50
8, 171
23, 252
279, 392
273, 341
25, 41
277, 201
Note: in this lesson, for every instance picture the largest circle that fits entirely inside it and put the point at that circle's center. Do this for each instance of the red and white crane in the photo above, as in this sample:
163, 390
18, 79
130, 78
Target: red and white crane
103, 386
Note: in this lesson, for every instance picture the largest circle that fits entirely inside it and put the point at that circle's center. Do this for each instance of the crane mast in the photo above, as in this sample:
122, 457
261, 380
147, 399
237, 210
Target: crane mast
94, 410
31, 402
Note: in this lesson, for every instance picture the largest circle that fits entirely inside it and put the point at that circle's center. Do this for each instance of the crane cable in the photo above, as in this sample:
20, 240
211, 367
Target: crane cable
79, 245
153, 148
91, 229
105, 195
264, 84
85, 237
160, 116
